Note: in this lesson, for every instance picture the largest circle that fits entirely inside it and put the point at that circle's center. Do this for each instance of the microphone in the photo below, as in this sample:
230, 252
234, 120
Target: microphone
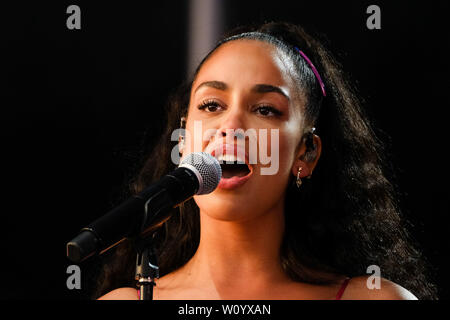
199, 173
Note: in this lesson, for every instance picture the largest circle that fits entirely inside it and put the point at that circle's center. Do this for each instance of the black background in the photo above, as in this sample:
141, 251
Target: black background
79, 106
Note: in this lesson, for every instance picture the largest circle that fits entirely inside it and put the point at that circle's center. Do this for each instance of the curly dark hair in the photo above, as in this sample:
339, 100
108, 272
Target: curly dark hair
344, 219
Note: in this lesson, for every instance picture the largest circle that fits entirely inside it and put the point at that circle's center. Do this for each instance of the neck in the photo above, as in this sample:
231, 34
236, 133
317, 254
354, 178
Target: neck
230, 253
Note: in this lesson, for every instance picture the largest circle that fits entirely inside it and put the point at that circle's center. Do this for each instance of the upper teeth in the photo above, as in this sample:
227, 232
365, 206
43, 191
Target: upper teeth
229, 158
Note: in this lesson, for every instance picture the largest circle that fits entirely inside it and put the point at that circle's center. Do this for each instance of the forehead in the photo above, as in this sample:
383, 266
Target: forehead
246, 61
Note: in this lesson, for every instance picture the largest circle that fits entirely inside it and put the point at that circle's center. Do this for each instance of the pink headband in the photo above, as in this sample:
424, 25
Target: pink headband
316, 73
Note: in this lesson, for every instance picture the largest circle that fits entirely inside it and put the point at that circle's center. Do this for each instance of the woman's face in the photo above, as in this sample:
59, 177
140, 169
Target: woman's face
243, 87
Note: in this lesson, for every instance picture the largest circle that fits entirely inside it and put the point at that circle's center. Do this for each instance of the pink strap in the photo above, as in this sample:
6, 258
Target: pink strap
342, 289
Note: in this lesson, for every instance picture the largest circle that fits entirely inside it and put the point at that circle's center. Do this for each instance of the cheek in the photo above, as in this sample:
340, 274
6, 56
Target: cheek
277, 172
198, 135
281, 149
193, 138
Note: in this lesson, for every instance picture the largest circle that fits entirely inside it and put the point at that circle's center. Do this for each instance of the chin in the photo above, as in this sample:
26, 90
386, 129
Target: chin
227, 208
234, 206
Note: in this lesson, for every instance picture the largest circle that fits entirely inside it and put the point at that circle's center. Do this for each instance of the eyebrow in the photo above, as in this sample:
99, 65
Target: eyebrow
258, 88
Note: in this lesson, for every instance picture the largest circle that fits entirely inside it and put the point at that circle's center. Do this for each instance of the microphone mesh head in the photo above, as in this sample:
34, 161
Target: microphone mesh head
207, 169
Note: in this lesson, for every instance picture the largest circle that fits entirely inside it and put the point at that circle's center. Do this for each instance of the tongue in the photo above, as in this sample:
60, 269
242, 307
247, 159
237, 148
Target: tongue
232, 170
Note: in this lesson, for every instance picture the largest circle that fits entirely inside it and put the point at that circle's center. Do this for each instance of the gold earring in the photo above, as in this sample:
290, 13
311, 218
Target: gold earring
299, 181
181, 136
180, 144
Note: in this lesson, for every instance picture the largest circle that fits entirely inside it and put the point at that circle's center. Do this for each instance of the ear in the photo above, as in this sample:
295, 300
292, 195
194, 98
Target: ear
181, 144
307, 157
181, 136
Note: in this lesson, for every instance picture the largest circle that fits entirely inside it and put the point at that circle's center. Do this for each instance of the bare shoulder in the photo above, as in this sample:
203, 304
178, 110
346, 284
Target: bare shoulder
121, 294
358, 289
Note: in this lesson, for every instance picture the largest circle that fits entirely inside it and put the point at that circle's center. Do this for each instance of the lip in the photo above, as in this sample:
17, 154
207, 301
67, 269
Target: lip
233, 182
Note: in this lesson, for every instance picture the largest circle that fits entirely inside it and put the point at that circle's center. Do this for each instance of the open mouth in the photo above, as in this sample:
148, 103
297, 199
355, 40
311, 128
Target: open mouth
236, 169
230, 170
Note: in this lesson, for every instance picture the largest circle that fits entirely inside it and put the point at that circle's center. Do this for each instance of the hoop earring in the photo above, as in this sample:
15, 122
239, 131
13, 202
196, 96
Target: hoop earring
298, 182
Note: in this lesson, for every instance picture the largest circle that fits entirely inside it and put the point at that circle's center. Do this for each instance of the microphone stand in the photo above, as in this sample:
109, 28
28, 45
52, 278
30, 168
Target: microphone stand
146, 269
146, 263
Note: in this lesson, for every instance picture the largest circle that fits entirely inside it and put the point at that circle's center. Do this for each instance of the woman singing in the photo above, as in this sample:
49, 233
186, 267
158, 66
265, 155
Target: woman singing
313, 228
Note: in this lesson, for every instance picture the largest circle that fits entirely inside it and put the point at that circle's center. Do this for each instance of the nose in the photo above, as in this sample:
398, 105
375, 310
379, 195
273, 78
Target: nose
233, 124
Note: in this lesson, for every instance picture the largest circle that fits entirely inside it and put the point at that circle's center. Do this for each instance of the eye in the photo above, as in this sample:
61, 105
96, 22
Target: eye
209, 106
268, 111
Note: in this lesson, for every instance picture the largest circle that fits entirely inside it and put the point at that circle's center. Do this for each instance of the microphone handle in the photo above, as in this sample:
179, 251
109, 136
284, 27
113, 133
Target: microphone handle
152, 206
